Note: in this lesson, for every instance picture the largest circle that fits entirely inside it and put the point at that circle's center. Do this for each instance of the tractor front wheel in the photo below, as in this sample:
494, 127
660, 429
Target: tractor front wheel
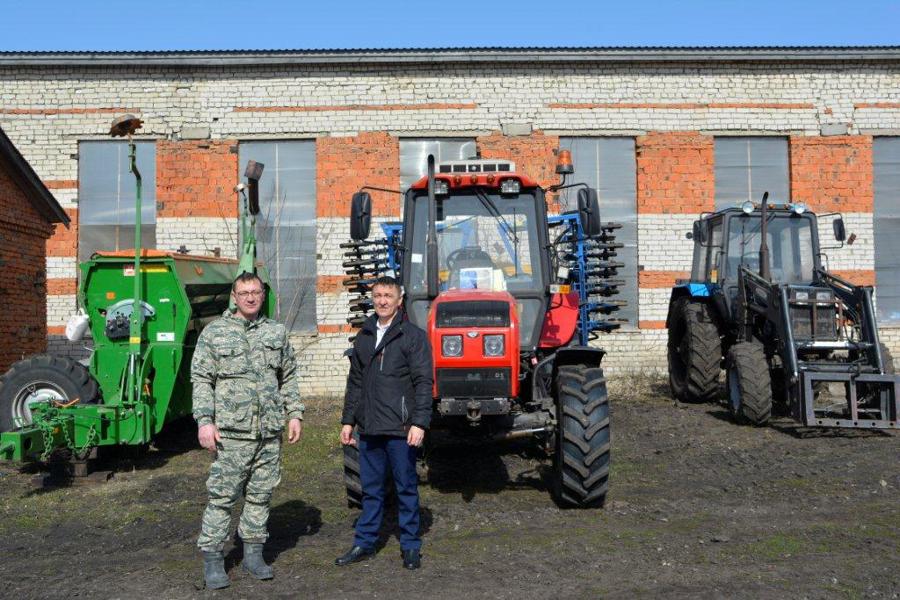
43, 378
694, 352
581, 460
749, 384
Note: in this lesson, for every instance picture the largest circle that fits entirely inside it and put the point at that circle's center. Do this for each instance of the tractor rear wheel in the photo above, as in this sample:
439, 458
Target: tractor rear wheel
43, 378
749, 384
581, 460
694, 352
352, 481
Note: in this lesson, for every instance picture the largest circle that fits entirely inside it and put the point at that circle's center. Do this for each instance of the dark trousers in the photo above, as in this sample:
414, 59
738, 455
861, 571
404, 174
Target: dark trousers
376, 452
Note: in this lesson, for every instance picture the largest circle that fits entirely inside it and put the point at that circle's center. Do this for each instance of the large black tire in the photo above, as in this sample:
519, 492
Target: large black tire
581, 460
749, 384
39, 378
694, 352
352, 482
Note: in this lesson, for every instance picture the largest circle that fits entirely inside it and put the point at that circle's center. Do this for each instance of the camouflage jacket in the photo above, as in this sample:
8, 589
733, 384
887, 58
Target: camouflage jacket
244, 376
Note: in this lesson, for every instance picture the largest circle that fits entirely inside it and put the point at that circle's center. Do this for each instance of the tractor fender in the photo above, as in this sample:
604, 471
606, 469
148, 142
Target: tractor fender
694, 290
578, 355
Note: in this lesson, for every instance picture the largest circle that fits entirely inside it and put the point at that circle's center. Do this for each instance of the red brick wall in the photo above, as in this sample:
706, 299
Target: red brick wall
675, 172
832, 173
23, 291
534, 155
196, 178
345, 164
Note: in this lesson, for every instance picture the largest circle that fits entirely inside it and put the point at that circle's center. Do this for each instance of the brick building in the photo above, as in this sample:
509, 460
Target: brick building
28, 213
665, 134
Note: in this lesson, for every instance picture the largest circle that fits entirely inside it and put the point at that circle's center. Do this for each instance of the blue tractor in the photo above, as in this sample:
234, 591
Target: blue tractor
791, 336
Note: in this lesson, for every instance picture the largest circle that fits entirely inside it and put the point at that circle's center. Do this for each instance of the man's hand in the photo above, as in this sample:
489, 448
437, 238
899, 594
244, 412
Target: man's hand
416, 436
347, 435
295, 430
208, 435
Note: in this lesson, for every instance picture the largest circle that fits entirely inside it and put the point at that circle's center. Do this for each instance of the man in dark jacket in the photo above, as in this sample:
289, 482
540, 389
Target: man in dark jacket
388, 400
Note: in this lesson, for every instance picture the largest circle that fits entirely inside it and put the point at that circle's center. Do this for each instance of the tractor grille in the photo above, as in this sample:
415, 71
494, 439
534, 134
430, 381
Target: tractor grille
473, 313
814, 322
473, 383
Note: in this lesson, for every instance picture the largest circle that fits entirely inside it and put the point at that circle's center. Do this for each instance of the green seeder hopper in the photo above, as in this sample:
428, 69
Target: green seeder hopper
145, 310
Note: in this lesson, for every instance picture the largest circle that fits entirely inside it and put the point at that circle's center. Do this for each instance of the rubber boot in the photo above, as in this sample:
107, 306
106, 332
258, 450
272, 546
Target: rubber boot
254, 564
214, 570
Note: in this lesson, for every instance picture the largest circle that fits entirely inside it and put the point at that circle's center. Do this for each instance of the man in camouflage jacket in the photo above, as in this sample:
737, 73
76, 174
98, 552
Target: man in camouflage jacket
244, 377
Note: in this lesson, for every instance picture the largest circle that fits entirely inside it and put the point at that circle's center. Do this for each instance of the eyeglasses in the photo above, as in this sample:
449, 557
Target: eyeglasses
247, 294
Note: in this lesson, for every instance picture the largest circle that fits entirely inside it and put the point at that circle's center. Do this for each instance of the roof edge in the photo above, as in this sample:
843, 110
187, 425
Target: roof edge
441, 55
37, 193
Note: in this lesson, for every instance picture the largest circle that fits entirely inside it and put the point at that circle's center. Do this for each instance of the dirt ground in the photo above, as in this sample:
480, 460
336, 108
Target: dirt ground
698, 507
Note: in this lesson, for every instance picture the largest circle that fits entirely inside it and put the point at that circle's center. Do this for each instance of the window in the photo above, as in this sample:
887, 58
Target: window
608, 164
286, 226
106, 196
886, 161
414, 156
746, 167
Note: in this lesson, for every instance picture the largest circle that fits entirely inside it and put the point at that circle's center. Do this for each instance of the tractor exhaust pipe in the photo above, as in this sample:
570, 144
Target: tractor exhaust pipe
431, 247
763, 244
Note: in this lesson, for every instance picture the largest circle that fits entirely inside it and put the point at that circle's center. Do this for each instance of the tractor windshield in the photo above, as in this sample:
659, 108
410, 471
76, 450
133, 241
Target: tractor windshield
790, 241
485, 241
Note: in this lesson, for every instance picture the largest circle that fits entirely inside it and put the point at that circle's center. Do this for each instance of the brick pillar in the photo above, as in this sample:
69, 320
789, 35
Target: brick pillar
675, 173
345, 164
832, 173
196, 179
675, 182
835, 174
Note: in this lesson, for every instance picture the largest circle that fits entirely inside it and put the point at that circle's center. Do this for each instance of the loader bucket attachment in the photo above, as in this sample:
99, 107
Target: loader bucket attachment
871, 401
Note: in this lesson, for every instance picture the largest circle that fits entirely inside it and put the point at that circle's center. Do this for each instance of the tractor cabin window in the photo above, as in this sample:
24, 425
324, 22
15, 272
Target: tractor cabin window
746, 167
286, 226
886, 159
608, 164
106, 196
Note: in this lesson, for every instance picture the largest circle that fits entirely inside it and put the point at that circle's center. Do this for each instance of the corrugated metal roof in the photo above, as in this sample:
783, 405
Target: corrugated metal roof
474, 54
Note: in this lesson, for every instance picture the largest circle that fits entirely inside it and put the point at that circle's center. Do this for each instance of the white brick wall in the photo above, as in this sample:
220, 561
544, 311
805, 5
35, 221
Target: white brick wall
61, 267
662, 242
169, 99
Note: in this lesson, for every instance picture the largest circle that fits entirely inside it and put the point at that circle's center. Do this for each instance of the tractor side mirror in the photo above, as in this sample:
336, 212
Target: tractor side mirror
589, 211
360, 215
840, 232
699, 233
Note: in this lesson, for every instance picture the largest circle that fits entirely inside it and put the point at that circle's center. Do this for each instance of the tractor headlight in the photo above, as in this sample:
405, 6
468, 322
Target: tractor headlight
494, 345
801, 296
747, 207
798, 208
441, 187
451, 345
824, 296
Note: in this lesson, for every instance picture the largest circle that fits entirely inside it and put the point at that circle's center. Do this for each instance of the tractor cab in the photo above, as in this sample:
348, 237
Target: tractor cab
490, 225
730, 239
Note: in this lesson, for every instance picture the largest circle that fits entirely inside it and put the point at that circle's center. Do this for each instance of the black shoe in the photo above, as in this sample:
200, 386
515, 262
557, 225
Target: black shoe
411, 558
355, 554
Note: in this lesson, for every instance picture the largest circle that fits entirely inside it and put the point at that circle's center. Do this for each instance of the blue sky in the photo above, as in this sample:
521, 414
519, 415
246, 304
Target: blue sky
274, 24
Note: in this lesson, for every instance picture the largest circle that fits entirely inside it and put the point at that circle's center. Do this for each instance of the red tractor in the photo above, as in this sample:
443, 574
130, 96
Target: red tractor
510, 298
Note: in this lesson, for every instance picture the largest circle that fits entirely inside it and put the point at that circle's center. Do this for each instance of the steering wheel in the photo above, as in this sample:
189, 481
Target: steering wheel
468, 253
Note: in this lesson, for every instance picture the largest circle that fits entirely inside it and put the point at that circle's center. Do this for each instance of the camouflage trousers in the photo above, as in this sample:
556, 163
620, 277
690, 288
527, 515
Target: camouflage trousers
251, 467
